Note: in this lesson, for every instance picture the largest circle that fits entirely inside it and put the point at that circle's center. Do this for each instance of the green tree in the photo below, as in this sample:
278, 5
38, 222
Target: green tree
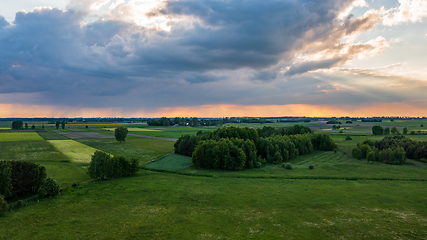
393, 130
57, 124
120, 133
405, 130
63, 124
387, 131
5, 179
377, 130
194, 122
3, 206
50, 186
26, 126
17, 125
33, 127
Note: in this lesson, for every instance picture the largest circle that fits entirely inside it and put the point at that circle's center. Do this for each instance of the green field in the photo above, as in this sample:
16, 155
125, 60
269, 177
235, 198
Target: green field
375, 201
19, 136
167, 206
172, 162
134, 129
75, 151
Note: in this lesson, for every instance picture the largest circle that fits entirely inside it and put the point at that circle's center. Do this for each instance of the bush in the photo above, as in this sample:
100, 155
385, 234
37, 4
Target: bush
258, 164
19, 204
41, 192
288, 166
3, 206
311, 167
51, 186
348, 138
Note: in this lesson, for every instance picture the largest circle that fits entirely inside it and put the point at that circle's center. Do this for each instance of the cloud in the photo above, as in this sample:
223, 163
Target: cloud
408, 11
152, 54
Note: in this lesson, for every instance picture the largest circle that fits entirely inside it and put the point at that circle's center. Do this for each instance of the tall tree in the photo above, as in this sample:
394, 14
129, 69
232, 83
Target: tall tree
63, 124
121, 133
377, 130
17, 125
405, 130
194, 122
57, 124
26, 126
393, 130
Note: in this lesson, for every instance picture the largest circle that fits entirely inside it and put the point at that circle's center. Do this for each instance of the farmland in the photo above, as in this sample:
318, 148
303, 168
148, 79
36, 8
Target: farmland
341, 197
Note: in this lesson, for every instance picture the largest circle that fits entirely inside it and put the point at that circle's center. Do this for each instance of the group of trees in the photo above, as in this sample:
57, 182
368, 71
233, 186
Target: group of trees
165, 122
391, 148
22, 178
60, 123
378, 130
238, 148
104, 166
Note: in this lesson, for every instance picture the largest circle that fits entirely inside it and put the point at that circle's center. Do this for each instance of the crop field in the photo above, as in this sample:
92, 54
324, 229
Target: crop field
341, 198
19, 136
134, 129
81, 134
172, 162
75, 151
50, 135
144, 149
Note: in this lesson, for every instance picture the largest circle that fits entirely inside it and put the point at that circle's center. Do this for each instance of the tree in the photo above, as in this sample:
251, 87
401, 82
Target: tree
121, 133
387, 131
33, 127
17, 125
50, 187
194, 121
63, 124
393, 130
57, 124
43, 126
405, 130
26, 126
3, 206
377, 130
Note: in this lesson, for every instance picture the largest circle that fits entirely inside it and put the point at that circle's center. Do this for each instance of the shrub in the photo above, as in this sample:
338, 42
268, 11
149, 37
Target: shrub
3, 206
311, 167
288, 166
86, 126
41, 192
19, 204
258, 164
348, 138
51, 186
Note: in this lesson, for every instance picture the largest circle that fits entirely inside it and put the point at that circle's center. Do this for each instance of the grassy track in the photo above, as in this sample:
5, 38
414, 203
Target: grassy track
75, 151
19, 136
165, 206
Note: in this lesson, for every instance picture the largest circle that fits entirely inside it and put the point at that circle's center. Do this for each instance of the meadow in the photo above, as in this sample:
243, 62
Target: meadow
341, 198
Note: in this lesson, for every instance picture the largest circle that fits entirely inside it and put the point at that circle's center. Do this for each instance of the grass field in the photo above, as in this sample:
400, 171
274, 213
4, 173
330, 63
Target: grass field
265, 203
167, 206
172, 162
144, 149
75, 151
50, 135
170, 132
134, 129
19, 136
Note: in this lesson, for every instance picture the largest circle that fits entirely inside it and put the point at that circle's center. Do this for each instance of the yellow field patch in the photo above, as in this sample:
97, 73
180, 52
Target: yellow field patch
75, 151
19, 136
136, 129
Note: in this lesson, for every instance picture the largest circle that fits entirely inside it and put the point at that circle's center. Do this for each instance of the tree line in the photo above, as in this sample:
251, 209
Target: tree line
392, 150
235, 148
104, 166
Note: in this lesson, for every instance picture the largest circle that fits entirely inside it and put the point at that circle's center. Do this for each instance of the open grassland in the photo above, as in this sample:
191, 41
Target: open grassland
135, 129
30, 151
168, 206
172, 162
42, 152
75, 151
144, 149
171, 132
19, 136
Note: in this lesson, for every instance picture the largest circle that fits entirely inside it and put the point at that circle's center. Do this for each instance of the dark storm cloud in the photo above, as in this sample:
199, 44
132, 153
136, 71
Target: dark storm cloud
110, 62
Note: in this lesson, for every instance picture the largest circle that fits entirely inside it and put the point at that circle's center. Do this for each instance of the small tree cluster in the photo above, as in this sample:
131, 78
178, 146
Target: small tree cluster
17, 125
103, 166
120, 133
49, 187
376, 151
3, 205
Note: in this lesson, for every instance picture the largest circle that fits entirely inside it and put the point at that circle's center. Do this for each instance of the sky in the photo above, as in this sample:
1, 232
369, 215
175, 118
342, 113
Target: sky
213, 58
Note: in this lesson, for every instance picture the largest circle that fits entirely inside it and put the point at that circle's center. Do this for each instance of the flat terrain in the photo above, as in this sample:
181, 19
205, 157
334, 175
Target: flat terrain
19, 136
75, 151
375, 201
82, 134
